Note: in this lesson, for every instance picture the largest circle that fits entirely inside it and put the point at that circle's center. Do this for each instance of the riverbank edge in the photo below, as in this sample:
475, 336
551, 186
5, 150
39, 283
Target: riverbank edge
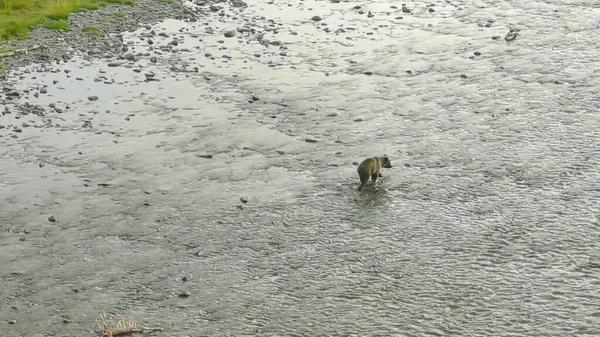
46, 46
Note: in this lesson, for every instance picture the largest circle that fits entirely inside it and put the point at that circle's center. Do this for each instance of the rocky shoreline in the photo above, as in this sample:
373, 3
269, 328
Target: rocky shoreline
45, 46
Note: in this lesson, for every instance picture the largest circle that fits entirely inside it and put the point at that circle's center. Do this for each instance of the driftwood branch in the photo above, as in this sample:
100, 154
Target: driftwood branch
122, 328
18, 51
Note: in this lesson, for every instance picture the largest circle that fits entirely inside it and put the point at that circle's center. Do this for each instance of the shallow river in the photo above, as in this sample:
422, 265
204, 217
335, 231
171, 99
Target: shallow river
487, 225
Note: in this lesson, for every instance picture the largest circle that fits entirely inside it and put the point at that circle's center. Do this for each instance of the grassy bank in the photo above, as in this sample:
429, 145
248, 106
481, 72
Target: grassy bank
18, 16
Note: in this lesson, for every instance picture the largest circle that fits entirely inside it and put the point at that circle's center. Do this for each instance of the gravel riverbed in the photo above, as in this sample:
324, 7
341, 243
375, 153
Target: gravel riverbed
195, 169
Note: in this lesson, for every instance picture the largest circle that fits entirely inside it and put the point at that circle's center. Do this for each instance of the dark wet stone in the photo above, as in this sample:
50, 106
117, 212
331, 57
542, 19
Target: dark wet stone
240, 207
18, 130
229, 33
316, 18
238, 3
254, 98
149, 75
463, 76
153, 59
244, 200
511, 35
368, 73
431, 10
205, 155
12, 321
477, 53
185, 294
66, 321
496, 37
333, 114
52, 218
13, 94
113, 64
103, 184
93, 98
358, 119
310, 140
370, 15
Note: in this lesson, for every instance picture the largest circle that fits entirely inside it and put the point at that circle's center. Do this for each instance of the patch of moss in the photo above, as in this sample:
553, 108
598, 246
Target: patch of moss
92, 30
57, 24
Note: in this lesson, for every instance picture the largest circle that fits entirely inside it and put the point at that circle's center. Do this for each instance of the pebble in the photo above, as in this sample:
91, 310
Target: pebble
205, 155
316, 18
93, 98
310, 140
52, 218
244, 200
185, 294
229, 33
12, 321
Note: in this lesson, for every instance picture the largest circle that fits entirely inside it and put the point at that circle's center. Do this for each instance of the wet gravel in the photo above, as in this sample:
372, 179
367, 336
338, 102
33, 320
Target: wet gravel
196, 169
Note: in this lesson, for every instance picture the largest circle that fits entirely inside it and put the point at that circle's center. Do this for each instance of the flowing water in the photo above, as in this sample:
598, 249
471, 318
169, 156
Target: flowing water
487, 225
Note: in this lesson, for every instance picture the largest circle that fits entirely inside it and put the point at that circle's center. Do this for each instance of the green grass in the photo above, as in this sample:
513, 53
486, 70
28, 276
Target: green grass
57, 24
92, 30
18, 16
